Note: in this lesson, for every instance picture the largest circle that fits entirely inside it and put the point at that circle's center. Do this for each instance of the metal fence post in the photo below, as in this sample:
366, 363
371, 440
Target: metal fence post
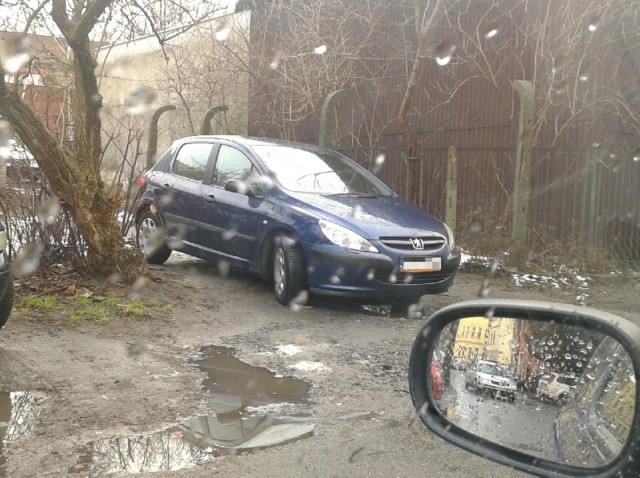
451, 207
153, 134
327, 118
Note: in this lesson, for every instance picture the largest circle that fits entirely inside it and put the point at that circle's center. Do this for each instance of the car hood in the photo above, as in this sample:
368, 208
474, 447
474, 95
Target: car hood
371, 217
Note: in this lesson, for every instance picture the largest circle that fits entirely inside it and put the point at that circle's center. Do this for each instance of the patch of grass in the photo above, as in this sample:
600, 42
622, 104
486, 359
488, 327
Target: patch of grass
92, 313
44, 303
112, 301
135, 308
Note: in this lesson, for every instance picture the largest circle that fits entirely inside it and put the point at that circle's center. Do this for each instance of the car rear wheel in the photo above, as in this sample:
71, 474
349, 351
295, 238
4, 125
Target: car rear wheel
152, 246
288, 270
7, 304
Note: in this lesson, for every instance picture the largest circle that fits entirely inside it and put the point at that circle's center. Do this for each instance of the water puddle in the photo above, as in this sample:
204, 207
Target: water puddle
15, 414
244, 400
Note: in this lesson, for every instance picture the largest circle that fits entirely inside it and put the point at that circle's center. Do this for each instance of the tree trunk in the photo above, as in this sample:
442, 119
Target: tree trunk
74, 176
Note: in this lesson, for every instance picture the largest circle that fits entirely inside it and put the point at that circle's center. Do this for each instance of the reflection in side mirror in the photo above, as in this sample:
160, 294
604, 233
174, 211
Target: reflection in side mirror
542, 390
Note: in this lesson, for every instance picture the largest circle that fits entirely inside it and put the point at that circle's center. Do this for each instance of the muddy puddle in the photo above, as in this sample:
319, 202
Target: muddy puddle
244, 405
16, 410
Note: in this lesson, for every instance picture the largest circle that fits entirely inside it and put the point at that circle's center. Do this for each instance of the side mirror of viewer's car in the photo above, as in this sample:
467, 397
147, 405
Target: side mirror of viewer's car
551, 389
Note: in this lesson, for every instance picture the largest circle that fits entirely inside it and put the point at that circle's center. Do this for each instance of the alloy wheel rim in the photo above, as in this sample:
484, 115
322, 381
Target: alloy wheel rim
279, 272
145, 237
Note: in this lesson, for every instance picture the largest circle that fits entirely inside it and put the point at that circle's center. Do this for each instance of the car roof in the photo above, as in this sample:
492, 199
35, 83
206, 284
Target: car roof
248, 140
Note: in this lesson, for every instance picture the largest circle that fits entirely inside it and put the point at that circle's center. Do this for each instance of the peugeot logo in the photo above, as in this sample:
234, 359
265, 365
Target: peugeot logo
417, 243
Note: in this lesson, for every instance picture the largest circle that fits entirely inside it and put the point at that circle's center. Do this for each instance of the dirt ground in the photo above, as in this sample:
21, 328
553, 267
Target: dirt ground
135, 376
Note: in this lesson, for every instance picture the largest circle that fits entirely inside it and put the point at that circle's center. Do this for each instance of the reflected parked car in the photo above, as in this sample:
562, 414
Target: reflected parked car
307, 216
558, 387
6, 283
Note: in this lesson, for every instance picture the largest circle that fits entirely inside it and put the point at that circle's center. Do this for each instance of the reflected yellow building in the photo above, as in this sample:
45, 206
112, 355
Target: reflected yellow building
501, 344
470, 338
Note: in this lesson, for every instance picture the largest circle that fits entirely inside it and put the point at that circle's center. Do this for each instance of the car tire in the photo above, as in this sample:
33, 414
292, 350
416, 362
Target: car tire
562, 399
146, 227
289, 277
7, 304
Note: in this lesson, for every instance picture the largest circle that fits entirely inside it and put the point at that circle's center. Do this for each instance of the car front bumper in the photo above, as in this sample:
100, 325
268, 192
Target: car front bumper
333, 270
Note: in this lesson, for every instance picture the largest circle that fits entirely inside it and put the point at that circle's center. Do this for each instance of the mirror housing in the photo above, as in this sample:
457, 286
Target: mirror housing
235, 186
623, 331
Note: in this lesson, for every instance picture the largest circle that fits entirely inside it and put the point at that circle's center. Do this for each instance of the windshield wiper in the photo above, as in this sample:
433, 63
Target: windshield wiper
358, 195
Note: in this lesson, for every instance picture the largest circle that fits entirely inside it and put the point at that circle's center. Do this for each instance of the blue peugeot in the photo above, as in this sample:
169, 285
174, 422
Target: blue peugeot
308, 217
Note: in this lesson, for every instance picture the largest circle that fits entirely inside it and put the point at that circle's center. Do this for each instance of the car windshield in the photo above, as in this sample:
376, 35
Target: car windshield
318, 171
492, 369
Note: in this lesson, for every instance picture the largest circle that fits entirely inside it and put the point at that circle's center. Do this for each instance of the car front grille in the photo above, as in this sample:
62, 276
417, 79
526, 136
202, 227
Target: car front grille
430, 243
414, 278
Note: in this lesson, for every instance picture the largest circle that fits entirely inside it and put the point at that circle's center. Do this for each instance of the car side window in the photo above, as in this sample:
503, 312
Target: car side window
231, 164
192, 160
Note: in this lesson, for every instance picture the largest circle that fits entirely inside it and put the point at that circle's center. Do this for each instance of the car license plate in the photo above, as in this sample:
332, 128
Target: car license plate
428, 264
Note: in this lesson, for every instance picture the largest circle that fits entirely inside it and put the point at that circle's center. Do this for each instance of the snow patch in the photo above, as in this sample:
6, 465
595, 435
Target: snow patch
305, 366
289, 350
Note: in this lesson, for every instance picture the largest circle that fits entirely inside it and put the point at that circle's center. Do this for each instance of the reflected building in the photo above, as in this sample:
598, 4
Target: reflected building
471, 338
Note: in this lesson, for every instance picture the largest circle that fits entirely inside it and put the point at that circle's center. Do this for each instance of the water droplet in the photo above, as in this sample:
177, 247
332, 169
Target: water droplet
444, 53
175, 239
392, 278
636, 158
15, 53
513, 344
320, 50
567, 356
475, 229
538, 407
408, 279
140, 100
28, 260
298, 301
371, 274
593, 24
49, 211
277, 57
378, 162
583, 77
223, 268
356, 212
491, 33
595, 145
223, 30
167, 198
589, 345
230, 233
334, 279
138, 286
484, 289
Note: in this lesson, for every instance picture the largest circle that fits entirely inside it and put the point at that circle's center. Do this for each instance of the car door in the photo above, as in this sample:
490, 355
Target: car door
184, 204
234, 219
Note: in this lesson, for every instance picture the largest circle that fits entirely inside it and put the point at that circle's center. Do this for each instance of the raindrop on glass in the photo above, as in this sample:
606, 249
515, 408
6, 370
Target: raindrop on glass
371, 274
138, 286
140, 100
491, 33
567, 356
356, 212
513, 344
320, 50
223, 30
484, 289
229, 234
593, 24
378, 162
334, 279
49, 211
28, 260
444, 53
167, 198
275, 63
15, 53
223, 268
475, 229
176, 239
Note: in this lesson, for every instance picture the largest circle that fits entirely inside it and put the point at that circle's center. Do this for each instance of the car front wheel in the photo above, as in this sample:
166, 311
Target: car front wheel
150, 239
288, 270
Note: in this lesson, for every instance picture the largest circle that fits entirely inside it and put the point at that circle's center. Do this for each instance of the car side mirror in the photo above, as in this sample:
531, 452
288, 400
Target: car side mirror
554, 390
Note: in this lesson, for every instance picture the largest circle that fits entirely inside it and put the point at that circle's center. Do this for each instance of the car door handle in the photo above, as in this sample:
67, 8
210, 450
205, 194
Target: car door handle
210, 198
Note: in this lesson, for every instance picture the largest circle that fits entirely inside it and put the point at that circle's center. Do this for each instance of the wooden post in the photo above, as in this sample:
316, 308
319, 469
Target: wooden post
451, 208
522, 188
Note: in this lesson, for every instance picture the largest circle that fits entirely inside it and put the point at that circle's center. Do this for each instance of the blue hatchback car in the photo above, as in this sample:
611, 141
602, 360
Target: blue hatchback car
308, 217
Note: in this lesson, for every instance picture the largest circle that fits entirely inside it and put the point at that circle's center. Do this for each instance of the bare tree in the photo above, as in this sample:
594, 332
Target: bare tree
73, 168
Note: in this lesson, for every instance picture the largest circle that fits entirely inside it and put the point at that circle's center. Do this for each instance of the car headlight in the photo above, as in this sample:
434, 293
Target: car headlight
452, 242
3, 240
344, 237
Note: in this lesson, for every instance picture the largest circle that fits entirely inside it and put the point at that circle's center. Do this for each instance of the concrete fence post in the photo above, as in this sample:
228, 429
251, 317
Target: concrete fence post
522, 185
